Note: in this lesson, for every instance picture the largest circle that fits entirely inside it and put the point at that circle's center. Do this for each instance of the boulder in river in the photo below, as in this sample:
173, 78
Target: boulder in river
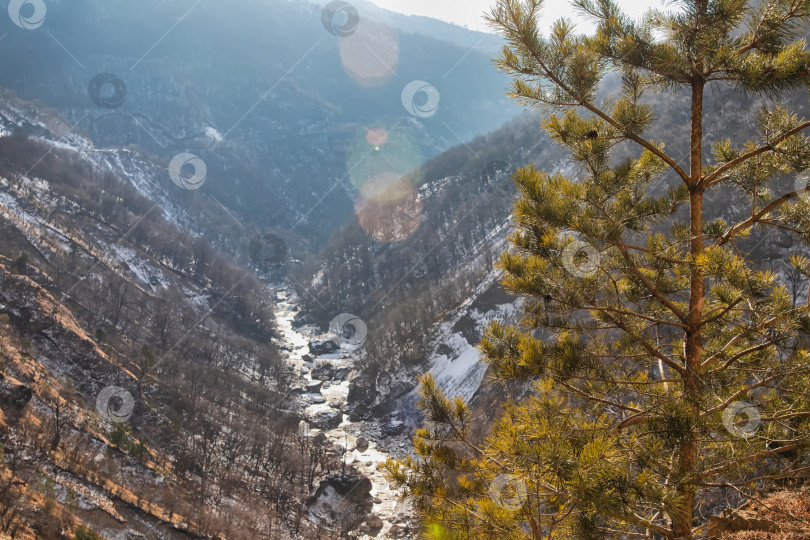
323, 346
359, 392
327, 420
360, 413
372, 526
314, 387
323, 373
336, 403
399, 531
316, 399
361, 444
353, 491
393, 428
302, 318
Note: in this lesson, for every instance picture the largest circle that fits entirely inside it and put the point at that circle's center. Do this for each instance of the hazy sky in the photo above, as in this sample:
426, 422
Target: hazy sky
468, 12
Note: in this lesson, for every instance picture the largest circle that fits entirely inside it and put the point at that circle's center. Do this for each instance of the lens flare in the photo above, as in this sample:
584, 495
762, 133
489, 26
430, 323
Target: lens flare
370, 55
376, 136
367, 158
389, 208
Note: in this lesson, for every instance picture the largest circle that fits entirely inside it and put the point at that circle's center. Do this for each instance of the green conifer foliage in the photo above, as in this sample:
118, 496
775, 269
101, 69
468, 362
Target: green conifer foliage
671, 371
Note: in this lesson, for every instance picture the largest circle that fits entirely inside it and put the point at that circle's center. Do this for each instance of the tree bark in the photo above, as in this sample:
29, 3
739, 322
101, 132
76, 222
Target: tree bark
688, 451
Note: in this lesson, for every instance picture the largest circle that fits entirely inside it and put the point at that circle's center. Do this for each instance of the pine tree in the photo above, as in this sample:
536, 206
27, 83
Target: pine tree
670, 369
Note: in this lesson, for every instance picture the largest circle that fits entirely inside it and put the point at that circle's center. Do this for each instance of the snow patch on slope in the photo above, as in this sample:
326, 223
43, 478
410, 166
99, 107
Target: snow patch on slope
462, 375
142, 269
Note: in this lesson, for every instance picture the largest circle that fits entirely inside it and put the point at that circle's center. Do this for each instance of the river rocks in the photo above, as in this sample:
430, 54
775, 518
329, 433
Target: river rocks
399, 531
302, 318
360, 413
392, 428
315, 387
324, 373
307, 358
372, 526
354, 493
324, 346
360, 392
316, 399
361, 444
336, 403
327, 420
341, 374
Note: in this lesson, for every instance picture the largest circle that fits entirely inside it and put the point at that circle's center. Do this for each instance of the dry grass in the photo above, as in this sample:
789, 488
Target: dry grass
789, 510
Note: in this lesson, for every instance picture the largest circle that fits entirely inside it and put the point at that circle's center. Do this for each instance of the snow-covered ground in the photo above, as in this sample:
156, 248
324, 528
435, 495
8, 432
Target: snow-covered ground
455, 362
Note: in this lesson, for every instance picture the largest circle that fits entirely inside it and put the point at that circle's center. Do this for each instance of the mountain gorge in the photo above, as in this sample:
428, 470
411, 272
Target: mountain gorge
233, 237
153, 385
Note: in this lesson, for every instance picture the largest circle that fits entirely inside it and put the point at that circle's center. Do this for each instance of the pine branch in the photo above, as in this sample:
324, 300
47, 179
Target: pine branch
712, 178
748, 459
736, 229
649, 285
595, 110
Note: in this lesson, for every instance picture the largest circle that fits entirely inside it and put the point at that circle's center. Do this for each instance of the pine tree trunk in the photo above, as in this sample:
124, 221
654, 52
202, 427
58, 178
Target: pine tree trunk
688, 451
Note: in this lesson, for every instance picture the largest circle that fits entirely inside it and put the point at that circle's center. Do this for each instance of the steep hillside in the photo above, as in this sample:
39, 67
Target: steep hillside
146, 389
273, 97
